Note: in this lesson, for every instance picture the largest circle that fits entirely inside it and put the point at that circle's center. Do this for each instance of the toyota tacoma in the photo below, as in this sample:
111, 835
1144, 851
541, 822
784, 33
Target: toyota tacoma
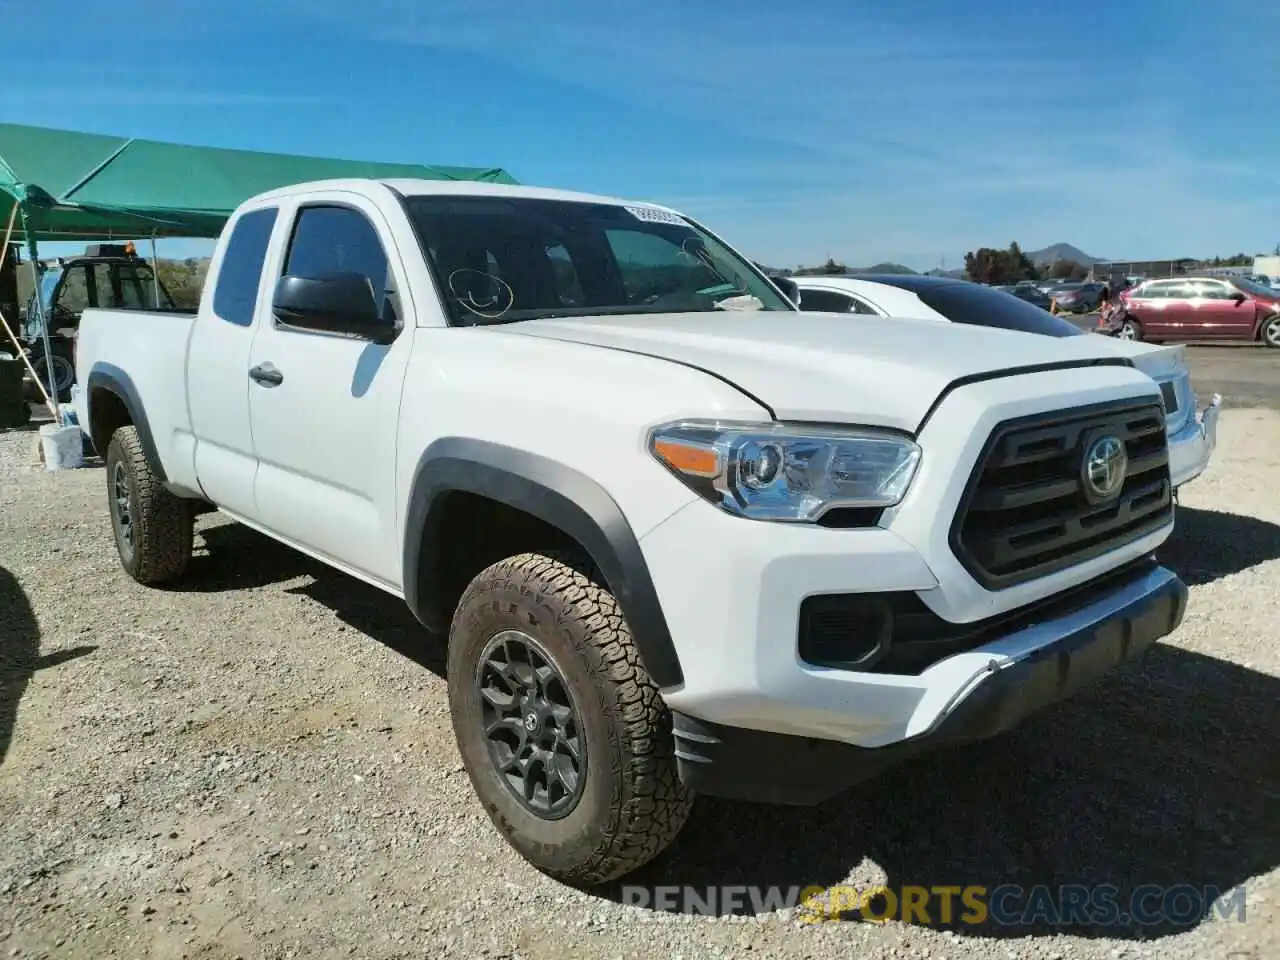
680, 538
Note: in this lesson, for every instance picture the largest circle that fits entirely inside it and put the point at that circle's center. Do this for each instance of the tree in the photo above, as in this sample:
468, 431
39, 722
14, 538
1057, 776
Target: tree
183, 280
1068, 270
988, 265
984, 266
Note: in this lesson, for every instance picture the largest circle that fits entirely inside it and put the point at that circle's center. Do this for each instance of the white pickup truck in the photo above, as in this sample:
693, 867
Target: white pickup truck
681, 537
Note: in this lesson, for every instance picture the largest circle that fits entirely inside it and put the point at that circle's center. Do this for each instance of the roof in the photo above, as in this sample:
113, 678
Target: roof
416, 187
904, 281
78, 186
420, 187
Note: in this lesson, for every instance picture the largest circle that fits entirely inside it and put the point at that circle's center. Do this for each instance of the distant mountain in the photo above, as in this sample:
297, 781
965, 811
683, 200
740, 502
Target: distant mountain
839, 270
1061, 251
885, 268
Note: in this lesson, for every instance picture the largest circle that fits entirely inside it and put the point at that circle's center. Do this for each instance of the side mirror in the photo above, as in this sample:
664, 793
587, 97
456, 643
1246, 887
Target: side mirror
1238, 297
336, 303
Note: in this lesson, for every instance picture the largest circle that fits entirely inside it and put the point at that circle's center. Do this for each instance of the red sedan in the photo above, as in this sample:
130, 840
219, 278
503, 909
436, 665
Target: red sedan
1199, 308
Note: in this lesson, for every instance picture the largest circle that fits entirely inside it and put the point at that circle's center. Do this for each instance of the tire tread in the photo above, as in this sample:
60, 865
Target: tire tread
164, 527
653, 804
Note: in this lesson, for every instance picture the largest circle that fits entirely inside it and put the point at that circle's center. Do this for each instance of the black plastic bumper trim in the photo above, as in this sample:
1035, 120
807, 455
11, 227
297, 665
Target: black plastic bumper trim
744, 764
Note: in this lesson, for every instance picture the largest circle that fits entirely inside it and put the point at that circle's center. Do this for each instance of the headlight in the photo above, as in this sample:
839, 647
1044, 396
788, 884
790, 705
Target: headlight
788, 473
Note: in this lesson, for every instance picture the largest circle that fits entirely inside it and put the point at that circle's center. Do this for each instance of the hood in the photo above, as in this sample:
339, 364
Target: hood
1156, 361
821, 367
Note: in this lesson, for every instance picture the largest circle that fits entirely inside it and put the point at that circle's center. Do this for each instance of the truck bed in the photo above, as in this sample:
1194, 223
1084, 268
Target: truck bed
146, 351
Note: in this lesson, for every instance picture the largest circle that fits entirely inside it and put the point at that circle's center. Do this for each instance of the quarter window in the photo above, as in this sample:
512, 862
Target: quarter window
236, 293
1211, 289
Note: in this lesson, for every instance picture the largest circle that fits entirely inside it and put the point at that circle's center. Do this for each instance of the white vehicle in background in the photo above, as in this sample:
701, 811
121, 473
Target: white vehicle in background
1193, 432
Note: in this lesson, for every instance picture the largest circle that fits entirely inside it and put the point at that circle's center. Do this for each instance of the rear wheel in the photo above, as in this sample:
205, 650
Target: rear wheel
564, 735
153, 529
1270, 332
1130, 329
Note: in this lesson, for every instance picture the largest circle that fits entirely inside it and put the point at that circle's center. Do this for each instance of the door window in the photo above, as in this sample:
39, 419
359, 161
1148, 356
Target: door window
826, 301
1160, 290
1210, 289
329, 239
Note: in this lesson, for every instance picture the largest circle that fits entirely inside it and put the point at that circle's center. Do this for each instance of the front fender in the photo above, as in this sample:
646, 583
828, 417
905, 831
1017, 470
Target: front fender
557, 495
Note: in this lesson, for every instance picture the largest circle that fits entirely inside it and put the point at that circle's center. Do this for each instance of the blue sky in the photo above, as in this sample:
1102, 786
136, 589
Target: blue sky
907, 131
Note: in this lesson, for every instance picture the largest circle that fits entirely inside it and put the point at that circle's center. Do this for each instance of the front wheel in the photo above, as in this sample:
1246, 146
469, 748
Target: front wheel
563, 734
1270, 333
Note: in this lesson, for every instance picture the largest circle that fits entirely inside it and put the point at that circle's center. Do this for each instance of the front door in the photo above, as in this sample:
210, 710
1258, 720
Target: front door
1219, 312
324, 406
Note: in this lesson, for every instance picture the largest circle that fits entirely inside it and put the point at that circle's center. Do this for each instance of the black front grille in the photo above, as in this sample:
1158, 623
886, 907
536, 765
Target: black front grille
1026, 513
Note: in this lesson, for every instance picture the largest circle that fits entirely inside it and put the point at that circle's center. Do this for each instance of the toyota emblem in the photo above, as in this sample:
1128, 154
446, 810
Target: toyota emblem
1105, 466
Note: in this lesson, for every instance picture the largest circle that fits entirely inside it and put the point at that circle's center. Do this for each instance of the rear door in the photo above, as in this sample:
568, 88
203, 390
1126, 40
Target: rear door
324, 406
1155, 305
217, 357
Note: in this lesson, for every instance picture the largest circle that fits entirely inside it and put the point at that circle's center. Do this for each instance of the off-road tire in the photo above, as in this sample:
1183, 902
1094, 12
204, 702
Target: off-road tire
163, 525
633, 804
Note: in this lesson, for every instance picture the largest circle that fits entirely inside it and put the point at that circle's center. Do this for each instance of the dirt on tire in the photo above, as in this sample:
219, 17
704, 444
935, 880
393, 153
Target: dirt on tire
634, 804
163, 525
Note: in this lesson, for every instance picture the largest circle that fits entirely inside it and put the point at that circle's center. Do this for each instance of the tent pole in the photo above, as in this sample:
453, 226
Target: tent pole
33, 250
155, 271
17, 345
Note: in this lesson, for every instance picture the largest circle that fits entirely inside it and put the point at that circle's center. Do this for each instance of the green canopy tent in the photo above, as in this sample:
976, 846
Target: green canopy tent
86, 186
63, 185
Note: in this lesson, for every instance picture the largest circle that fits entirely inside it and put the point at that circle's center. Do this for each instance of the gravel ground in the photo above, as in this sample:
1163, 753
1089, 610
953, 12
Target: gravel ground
259, 764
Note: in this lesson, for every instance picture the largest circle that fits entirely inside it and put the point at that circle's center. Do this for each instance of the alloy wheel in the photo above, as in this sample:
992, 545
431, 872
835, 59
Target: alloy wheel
1271, 331
121, 491
530, 725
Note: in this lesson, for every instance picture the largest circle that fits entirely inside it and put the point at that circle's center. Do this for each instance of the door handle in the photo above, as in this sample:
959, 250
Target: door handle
267, 375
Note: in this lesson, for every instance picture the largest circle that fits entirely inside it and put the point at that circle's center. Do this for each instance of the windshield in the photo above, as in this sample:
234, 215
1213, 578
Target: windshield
1257, 289
506, 259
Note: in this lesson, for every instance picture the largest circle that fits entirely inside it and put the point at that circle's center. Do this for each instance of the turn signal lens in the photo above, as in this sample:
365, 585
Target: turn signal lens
787, 473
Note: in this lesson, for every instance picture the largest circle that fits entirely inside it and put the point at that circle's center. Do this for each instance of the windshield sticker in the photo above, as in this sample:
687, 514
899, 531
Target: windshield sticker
482, 293
654, 215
